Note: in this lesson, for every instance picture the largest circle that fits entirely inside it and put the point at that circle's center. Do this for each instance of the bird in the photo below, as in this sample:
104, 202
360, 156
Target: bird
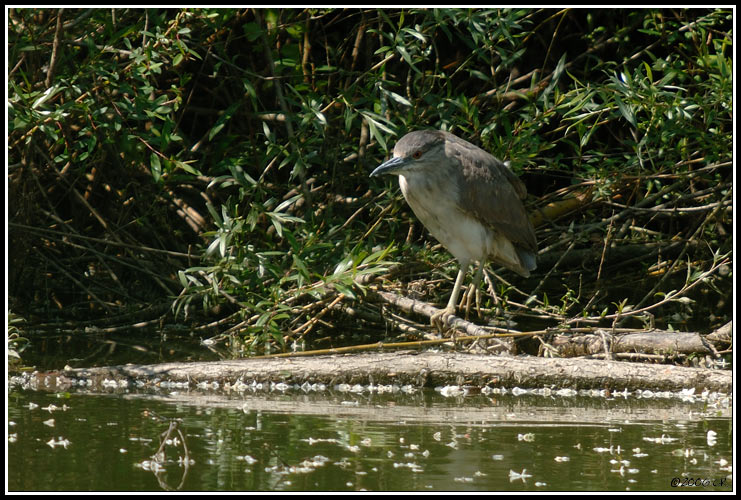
470, 201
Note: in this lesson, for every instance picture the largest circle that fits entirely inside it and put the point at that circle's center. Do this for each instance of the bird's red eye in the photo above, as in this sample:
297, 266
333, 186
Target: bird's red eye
417, 155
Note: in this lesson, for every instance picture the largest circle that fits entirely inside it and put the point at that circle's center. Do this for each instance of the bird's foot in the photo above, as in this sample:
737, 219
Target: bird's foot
441, 319
472, 297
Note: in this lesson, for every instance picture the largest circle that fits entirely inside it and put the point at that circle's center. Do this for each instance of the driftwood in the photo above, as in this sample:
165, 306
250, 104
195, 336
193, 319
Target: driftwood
655, 344
722, 334
417, 369
649, 342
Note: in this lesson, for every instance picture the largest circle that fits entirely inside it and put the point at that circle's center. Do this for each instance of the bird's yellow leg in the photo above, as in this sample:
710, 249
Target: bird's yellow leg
440, 318
473, 289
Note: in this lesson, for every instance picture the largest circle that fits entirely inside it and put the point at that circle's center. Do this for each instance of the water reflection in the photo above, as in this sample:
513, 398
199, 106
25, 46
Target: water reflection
347, 441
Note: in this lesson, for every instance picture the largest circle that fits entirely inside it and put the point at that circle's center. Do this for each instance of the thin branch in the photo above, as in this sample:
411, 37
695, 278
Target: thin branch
54, 50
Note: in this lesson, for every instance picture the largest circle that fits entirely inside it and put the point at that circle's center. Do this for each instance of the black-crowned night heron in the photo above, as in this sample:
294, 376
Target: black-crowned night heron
469, 200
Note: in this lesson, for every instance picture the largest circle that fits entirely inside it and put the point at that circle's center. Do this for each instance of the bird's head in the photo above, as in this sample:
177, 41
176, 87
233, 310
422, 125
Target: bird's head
414, 152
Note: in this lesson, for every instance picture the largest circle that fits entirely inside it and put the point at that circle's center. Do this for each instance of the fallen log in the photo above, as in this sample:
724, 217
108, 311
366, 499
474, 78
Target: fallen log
416, 369
659, 342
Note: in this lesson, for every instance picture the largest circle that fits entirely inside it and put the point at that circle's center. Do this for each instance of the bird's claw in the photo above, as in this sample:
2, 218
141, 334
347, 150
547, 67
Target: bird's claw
441, 320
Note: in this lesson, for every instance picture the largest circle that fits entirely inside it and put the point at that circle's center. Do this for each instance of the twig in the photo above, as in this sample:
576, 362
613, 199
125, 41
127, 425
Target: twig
310, 324
141, 248
54, 50
681, 256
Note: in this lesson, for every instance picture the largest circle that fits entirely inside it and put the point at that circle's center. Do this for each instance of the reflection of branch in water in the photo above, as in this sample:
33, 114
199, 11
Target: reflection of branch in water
285, 464
268, 447
160, 457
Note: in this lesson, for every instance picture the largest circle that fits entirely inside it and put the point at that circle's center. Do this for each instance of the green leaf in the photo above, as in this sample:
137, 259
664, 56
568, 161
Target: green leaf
154, 166
626, 111
184, 165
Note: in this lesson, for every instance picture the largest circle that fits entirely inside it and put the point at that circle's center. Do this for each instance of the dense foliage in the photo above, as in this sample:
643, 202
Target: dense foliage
220, 158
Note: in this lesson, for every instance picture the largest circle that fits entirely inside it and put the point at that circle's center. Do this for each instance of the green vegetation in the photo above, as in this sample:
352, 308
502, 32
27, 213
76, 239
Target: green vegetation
211, 165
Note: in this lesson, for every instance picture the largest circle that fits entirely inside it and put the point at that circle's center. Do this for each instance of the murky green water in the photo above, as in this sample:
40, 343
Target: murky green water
342, 441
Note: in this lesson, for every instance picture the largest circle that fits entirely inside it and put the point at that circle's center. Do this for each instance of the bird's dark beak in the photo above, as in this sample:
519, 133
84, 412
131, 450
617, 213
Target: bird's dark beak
392, 166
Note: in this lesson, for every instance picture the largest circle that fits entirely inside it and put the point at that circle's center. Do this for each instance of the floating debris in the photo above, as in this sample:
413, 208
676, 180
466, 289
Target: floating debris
413, 466
664, 439
687, 394
712, 438
690, 395
150, 465
611, 450
313, 441
514, 476
449, 391
684, 452
247, 458
566, 392
281, 386
58, 442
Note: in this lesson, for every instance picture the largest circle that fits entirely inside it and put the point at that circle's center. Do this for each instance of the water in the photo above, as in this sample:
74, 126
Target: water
343, 441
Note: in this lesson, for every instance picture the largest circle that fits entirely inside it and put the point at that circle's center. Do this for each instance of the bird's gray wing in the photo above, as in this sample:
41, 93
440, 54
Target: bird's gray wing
492, 193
